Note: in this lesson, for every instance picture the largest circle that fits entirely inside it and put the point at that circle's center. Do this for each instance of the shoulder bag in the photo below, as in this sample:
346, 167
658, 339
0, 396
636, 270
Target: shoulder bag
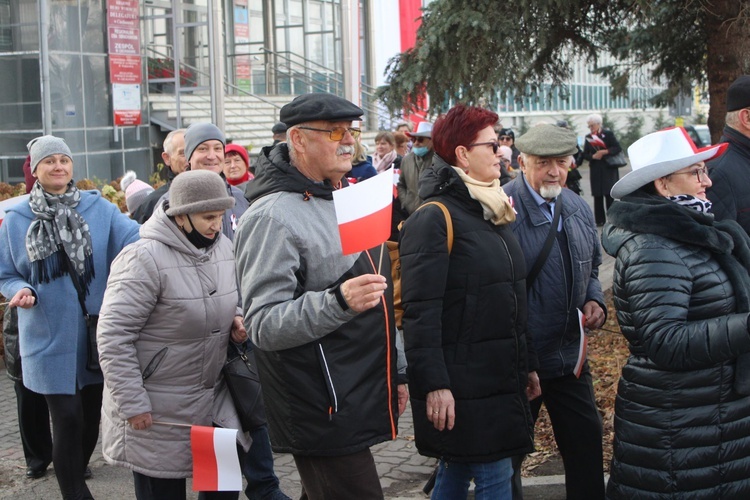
616, 161
92, 320
241, 376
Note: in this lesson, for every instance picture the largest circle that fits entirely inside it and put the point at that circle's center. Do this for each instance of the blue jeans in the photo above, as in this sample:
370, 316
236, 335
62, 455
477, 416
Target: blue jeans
492, 480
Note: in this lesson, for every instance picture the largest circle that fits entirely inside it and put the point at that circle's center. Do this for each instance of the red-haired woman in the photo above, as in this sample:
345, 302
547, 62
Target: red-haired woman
465, 314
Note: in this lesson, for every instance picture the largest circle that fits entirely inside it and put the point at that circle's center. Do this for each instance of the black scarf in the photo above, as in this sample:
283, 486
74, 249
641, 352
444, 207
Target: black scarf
726, 240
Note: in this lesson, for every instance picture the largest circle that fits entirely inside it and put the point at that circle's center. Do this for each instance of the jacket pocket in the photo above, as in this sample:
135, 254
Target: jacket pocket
154, 363
333, 404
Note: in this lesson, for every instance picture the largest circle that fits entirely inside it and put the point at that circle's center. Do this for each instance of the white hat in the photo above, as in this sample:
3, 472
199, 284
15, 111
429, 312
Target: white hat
659, 154
424, 129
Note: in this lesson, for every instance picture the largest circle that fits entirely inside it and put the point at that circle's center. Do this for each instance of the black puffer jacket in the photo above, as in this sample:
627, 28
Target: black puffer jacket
465, 324
681, 429
730, 174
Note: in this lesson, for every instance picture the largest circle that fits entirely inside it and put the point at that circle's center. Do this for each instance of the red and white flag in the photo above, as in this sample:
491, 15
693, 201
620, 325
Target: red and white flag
216, 465
5, 204
596, 142
363, 212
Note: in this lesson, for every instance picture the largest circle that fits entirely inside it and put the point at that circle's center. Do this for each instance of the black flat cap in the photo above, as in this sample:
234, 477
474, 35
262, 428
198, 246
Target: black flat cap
738, 94
319, 106
279, 128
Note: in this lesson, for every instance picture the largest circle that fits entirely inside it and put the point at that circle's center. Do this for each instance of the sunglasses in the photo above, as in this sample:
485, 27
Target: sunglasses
420, 140
505, 138
494, 144
337, 133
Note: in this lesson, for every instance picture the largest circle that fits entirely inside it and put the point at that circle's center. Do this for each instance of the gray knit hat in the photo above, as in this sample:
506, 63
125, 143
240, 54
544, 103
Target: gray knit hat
41, 147
196, 191
198, 133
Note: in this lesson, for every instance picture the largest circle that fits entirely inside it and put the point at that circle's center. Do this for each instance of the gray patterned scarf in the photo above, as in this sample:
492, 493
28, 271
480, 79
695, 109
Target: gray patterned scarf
58, 237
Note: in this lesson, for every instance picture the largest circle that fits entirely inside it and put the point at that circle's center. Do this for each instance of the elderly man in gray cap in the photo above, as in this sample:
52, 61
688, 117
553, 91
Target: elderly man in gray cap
322, 321
557, 233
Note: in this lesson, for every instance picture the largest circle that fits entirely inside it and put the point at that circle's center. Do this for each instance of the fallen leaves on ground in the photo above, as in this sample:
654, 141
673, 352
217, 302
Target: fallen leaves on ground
607, 352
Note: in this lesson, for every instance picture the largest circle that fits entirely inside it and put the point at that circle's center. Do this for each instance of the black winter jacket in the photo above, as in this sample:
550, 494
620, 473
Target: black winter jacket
681, 430
730, 174
465, 324
329, 374
602, 176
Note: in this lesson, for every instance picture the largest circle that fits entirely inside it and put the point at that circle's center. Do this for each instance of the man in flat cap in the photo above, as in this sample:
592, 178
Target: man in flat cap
412, 166
557, 234
279, 132
322, 321
730, 173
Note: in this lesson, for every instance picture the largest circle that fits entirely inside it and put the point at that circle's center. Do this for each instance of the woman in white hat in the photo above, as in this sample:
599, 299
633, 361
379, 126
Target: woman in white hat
682, 292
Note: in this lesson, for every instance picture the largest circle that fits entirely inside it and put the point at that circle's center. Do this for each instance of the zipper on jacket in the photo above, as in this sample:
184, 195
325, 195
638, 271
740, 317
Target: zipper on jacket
333, 399
515, 339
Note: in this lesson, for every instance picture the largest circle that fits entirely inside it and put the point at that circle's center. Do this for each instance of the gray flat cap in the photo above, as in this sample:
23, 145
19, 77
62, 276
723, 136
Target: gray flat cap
548, 140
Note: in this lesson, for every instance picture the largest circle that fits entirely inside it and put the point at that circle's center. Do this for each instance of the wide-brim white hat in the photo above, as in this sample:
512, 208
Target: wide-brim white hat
659, 154
424, 129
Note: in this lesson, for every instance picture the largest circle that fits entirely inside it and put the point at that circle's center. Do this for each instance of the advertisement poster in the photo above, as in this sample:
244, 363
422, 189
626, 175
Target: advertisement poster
125, 65
241, 39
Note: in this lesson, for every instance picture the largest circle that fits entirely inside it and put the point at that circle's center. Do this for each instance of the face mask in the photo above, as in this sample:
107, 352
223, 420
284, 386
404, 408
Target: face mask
197, 239
420, 151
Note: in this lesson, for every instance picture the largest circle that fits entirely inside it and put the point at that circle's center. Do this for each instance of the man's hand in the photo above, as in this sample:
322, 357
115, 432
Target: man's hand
533, 388
239, 334
140, 422
23, 298
441, 409
594, 315
363, 292
403, 397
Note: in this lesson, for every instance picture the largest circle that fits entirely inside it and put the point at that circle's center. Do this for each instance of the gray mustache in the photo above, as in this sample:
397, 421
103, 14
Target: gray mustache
342, 150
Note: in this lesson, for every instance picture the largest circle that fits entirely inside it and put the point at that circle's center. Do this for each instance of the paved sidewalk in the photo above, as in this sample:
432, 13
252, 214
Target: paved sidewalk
402, 470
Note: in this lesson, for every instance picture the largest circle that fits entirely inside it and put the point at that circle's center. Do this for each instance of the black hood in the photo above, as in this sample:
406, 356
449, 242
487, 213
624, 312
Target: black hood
274, 174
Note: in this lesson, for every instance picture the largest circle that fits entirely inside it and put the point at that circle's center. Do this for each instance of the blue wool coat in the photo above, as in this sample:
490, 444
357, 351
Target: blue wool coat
53, 333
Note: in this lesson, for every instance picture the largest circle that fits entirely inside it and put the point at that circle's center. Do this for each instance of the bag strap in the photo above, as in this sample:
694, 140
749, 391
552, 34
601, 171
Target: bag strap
448, 221
77, 285
542, 257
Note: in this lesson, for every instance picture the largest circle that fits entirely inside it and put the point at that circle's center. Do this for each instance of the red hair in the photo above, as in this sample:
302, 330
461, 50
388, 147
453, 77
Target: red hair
459, 127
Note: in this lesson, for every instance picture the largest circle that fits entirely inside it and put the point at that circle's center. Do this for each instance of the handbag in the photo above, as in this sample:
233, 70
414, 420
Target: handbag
241, 376
92, 320
616, 161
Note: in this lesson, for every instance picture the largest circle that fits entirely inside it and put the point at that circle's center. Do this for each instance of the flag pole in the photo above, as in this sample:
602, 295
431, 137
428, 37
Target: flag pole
380, 259
171, 423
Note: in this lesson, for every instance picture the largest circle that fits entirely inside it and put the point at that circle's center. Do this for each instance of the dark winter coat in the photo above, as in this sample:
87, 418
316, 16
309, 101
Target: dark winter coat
730, 174
465, 324
553, 320
681, 428
602, 176
329, 373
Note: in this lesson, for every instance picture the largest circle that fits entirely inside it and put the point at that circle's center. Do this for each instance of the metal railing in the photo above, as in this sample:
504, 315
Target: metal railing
182, 78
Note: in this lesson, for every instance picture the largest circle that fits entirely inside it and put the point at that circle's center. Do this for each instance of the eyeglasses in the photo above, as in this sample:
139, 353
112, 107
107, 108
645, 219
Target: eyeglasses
337, 133
505, 138
420, 140
494, 145
699, 173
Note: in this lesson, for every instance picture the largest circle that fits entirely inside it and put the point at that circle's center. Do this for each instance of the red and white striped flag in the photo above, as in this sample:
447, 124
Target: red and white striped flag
216, 465
363, 212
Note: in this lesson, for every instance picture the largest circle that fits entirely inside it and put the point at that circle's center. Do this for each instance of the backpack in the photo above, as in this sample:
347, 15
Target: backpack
396, 260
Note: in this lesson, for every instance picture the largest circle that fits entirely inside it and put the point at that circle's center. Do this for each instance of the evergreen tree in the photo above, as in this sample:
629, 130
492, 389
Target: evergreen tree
466, 51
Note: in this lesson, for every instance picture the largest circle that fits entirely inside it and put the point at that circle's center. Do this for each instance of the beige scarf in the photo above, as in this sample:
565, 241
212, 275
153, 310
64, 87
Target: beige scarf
490, 195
